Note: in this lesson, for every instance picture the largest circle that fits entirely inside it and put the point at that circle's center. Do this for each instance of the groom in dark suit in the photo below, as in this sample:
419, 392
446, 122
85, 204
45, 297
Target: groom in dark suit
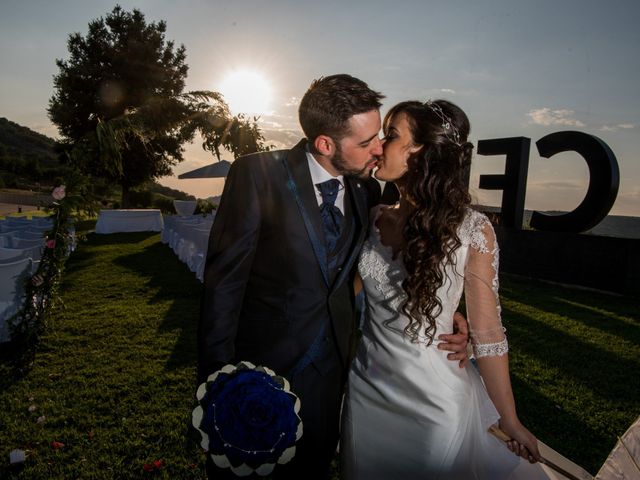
280, 264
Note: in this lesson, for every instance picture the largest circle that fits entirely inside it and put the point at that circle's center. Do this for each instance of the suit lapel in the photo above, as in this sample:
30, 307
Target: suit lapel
301, 185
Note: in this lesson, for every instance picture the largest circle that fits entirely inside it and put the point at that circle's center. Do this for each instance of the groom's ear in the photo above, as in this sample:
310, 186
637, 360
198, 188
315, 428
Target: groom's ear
324, 145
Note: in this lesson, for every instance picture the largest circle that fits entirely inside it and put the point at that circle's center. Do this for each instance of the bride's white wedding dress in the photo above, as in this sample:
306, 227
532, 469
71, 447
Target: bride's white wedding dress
410, 412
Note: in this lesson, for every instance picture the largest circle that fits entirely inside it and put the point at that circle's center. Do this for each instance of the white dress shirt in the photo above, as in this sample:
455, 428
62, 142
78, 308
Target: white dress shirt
319, 175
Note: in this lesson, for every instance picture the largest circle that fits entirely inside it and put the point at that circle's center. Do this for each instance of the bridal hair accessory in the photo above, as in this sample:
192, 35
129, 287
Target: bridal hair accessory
248, 419
450, 130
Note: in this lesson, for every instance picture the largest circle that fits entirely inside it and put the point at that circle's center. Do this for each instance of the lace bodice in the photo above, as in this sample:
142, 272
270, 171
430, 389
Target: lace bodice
475, 272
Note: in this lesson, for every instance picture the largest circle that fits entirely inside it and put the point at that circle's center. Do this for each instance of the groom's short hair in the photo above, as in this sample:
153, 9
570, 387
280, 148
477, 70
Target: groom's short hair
331, 101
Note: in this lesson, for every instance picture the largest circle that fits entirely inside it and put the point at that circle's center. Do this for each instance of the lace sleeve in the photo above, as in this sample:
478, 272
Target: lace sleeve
481, 292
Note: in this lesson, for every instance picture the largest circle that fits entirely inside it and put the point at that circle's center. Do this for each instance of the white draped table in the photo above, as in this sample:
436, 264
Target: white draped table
129, 220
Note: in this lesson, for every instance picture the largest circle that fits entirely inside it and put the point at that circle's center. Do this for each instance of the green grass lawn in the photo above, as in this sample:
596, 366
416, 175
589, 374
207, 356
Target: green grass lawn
575, 357
114, 376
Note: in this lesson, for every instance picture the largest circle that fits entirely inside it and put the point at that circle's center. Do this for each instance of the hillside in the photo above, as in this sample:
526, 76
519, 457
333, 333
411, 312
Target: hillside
17, 141
28, 158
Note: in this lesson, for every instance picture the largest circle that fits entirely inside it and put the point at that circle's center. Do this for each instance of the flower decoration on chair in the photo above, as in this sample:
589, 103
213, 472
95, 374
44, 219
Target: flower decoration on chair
248, 419
41, 291
59, 193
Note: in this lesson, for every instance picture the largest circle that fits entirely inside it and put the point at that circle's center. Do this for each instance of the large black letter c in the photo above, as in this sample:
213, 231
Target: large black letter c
604, 180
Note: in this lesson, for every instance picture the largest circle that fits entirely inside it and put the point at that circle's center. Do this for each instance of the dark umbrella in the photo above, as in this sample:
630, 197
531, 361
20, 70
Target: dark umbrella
215, 170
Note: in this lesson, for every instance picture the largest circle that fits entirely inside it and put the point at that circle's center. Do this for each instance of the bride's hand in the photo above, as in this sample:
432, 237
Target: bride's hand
523, 443
456, 342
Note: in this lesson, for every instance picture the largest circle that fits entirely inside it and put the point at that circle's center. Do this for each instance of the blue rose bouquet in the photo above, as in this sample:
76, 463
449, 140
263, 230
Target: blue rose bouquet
248, 419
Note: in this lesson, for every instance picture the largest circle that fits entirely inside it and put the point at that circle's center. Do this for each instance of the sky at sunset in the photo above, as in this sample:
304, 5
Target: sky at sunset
517, 68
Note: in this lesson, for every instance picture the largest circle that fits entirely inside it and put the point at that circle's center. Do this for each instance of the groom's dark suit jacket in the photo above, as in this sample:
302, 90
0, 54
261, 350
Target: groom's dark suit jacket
268, 294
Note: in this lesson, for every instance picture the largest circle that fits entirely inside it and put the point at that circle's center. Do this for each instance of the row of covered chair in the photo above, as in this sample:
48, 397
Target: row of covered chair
21, 243
22, 232
13, 275
188, 237
22, 237
38, 223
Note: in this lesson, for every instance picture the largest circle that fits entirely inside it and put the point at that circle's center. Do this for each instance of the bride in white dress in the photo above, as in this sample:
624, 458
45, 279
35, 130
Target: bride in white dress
409, 412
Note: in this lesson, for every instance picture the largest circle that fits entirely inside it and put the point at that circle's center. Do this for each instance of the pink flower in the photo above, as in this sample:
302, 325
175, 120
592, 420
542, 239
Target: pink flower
57, 445
59, 192
51, 243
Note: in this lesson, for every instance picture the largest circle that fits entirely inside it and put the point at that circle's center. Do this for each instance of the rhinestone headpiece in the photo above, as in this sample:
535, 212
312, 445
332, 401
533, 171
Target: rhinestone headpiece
447, 125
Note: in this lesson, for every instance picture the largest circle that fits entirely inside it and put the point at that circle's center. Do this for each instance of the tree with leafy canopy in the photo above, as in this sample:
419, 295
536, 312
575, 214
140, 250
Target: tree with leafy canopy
120, 107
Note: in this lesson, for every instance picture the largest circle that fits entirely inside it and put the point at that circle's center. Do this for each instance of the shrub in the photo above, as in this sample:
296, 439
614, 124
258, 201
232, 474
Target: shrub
204, 207
140, 199
164, 203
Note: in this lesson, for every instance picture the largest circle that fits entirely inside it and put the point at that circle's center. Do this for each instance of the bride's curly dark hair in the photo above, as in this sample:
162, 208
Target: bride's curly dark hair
437, 184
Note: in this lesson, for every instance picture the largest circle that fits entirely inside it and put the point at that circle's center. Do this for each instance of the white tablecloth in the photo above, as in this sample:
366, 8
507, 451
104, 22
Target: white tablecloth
113, 221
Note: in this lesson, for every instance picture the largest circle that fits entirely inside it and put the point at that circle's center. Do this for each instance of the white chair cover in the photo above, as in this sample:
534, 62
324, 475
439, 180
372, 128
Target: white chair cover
31, 235
188, 237
10, 255
13, 227
5, 239
17, 220
42, 221
185, 207
12, 282
19, 242
201, 243
17, 253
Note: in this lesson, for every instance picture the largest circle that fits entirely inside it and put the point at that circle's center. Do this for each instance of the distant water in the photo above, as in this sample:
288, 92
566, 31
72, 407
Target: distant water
618, 226
611, 226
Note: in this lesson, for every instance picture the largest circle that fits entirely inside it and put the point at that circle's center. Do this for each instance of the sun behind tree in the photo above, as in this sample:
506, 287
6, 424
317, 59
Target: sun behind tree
120, 107
247, 91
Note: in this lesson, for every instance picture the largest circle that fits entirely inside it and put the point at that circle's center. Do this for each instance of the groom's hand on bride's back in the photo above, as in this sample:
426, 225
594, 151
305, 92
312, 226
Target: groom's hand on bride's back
456, 342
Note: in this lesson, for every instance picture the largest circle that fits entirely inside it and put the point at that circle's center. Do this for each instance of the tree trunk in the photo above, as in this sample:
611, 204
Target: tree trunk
126, 202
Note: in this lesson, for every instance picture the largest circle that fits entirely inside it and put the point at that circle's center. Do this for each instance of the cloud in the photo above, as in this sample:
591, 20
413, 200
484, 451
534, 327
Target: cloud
546, 116
280, 139
293, 102
614, 128
46, 129
448, 90
628, 203
556, 185
269, 124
